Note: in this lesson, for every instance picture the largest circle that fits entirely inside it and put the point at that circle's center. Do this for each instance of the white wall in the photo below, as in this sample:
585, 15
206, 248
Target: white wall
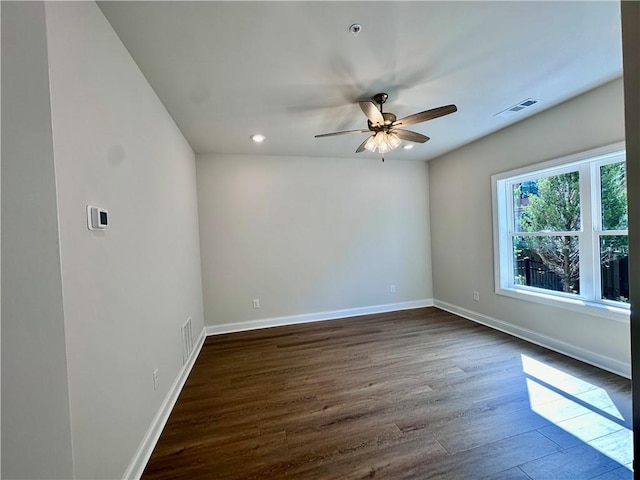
127, 290
461, 224
308, 235
35, 402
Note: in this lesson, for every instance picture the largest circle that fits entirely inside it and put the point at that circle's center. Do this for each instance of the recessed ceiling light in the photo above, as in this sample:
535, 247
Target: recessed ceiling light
408, 146
258, 138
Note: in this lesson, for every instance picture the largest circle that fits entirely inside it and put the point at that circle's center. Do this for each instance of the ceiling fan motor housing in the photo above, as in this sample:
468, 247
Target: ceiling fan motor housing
389, 118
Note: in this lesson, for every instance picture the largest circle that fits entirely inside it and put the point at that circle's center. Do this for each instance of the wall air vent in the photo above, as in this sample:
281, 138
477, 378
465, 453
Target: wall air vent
187, 341
529, 102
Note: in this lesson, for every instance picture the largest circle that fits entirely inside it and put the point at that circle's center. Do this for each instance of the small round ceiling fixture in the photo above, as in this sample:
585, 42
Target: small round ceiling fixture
408, 146
258, 138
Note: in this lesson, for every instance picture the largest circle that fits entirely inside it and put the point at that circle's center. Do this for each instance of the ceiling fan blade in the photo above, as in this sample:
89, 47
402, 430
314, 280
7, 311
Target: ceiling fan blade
411, 136
373, 114
361, 147
426, 115
341, 133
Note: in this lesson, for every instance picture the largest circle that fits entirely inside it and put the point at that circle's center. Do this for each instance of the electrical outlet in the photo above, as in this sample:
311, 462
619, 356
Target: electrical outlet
392, 289
476, 296
256, 303
156, 379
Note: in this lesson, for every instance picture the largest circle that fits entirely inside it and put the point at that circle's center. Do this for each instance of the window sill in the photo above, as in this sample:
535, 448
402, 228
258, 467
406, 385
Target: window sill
620, 314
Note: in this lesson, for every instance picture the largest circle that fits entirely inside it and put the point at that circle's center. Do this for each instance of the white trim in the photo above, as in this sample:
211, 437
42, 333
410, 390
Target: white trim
148, 443
603, 309
601, 361
314, 317
587, 164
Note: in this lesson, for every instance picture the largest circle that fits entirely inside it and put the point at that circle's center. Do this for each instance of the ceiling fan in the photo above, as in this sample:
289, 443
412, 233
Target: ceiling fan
385, 127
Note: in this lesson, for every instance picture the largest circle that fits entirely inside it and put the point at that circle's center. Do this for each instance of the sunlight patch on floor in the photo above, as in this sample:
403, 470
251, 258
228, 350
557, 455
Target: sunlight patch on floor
580, 408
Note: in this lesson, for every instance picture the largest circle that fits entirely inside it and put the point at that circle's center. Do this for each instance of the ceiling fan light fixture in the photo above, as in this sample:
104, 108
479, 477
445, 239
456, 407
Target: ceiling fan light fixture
382, 142
393, 140
383, 148
371, 143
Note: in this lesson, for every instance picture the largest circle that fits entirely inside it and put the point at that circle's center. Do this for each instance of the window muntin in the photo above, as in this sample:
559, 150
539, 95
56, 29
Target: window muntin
561, 230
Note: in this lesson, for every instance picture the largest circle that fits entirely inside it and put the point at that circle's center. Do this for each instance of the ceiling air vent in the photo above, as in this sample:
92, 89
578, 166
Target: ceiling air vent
529, 102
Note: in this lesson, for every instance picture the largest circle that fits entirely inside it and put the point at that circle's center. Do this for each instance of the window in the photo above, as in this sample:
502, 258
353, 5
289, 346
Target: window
561, 232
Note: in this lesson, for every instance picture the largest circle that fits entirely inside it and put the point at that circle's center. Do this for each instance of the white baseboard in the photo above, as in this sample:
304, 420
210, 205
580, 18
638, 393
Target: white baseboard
314, 317
606, 363
148, 443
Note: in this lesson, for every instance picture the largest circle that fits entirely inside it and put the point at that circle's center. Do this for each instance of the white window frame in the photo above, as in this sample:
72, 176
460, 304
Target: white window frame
588, 165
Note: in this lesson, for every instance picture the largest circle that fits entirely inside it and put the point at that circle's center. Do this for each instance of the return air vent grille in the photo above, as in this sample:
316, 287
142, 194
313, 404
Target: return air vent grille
529, 102
187, 341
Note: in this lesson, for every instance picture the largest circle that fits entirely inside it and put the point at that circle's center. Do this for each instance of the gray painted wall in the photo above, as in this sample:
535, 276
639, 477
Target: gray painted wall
462, 228
127, 290
88, 315
308, 235
35, 401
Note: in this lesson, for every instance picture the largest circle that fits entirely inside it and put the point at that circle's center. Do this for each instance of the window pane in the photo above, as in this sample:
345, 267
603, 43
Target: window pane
613, 185
614, 267
549, 204
549, 262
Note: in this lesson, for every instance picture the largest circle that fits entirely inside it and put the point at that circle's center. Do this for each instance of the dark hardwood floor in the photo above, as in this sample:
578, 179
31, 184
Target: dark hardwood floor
418, 394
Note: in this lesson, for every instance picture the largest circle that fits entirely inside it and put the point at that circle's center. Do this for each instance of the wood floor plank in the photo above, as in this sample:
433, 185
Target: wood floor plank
490, 458
511, 474
575, 463
621, 473
416, 394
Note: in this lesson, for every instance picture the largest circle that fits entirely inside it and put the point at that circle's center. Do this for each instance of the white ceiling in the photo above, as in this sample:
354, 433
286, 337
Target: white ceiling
290, 70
